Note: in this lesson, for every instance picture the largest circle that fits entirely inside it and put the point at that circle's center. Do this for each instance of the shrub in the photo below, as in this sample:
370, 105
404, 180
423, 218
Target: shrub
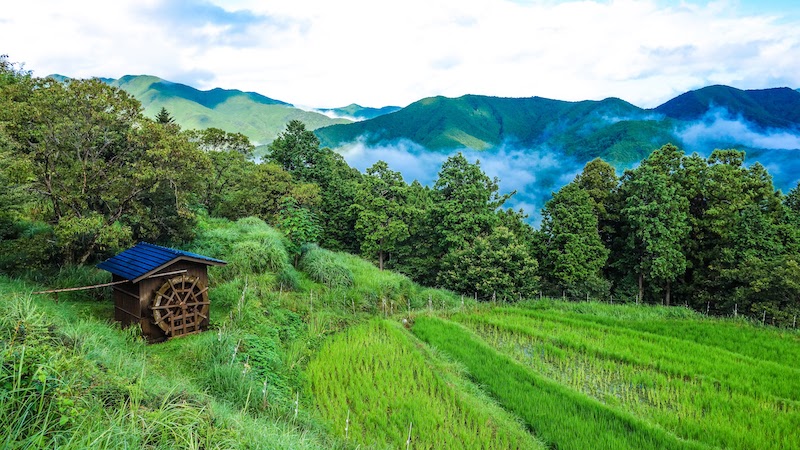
325, 267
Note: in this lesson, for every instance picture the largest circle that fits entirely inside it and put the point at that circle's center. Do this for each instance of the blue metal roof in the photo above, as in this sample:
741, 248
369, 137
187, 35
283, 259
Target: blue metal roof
143, 258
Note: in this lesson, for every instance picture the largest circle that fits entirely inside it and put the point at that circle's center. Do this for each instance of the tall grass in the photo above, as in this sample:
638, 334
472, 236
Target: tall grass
325, 267
561, 417
70, 381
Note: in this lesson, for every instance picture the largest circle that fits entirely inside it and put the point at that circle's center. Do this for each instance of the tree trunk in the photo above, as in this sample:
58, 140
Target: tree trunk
666, 297
380, 259
641, 288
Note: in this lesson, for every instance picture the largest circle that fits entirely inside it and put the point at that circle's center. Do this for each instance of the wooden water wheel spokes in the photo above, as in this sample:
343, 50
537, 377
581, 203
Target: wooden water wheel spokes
180, 306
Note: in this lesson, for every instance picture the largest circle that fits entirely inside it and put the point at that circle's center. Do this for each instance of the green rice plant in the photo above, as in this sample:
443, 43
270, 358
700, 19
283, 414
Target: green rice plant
372, 381
735, 335
561, 417
665, 385
325, 267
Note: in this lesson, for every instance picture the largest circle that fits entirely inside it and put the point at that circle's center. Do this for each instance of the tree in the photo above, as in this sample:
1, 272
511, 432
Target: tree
230, 155
572, 255
655, 224
99, 167
298, 224
465, 203
296, 150
381, 212
496, 265
164, 118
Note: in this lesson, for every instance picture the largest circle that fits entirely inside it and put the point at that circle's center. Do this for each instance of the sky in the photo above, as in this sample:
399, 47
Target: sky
322, 53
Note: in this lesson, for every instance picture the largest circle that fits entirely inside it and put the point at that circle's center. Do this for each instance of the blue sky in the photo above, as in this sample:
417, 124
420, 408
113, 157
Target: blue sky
320, 53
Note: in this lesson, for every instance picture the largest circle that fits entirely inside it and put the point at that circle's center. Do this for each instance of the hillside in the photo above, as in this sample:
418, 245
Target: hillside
765, 108
299, 359
258, 117
481, 122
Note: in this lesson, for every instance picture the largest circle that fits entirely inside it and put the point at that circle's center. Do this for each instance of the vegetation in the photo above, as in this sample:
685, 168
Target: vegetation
305, 335
375, 385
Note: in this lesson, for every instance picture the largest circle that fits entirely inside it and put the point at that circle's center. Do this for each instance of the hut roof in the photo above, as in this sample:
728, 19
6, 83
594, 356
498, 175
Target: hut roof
144, 259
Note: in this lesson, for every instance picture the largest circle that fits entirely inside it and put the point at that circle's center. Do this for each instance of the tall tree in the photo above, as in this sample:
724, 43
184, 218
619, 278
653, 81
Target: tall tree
572, 254
296, 150
381, 212
655, 225
100, 167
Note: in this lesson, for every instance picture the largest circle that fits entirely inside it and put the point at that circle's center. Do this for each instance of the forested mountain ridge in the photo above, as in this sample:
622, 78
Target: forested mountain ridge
357, 112
766, 108
612, 129
481, 122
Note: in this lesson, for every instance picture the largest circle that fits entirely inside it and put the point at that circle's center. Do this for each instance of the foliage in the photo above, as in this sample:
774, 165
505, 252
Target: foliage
496, 267
572, 253
381, 202
299, 226
372, 383
325, 267
101, 173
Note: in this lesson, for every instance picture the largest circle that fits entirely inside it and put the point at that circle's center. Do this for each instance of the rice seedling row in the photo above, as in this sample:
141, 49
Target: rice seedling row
372, 383
762, 379
688, 406
562, 417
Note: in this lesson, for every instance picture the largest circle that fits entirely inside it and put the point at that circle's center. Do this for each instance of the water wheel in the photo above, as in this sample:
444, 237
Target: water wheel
180, 306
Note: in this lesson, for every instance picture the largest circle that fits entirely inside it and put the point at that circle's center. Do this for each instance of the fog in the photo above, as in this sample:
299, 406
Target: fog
535, 173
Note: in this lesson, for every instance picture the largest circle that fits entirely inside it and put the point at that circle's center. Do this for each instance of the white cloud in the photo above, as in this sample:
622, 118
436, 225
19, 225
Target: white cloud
329, 54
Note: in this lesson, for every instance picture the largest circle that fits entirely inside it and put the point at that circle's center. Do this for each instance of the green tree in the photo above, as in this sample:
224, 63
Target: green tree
572, 254
465, 203
99, 167
655, 224
381, 212
296, 150
496, 266
164, 118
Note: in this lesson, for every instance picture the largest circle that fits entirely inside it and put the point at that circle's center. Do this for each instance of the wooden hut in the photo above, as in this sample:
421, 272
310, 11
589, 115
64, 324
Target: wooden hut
162, 289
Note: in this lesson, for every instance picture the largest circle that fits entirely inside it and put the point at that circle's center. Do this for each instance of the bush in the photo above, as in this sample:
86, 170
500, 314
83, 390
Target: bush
325, 267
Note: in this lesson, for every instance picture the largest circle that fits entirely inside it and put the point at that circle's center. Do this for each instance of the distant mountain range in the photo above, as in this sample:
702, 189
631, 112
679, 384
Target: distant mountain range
612, 128
765, 123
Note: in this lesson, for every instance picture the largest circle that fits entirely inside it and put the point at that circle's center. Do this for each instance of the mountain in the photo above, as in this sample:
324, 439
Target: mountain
258, 117
357, 112
765, 108
613, 129
482, 122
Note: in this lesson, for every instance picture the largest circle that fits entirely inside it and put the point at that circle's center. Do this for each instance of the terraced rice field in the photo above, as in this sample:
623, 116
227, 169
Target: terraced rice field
575, 376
